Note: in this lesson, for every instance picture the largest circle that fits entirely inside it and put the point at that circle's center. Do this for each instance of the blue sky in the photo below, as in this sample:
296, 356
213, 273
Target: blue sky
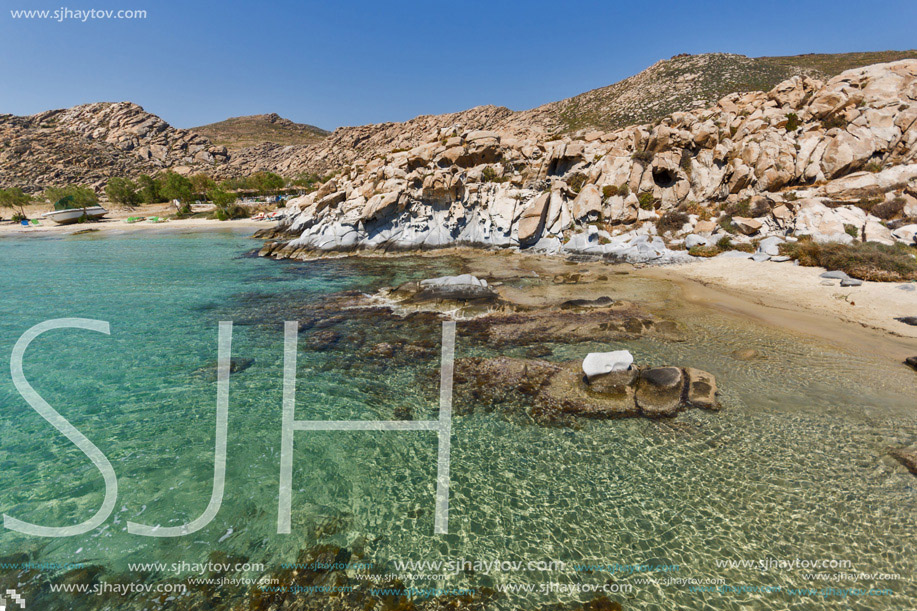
347, 63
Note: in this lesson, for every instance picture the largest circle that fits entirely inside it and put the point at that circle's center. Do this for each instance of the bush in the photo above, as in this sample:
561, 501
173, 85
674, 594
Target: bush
175, 186
609, 191
724, 243
863, 260
576, 182
890, 209
832, 122
230, 211
873, 166
704, 251
489, 175
726, 225
792, 122
148, 189
644, 157
852, 230
671, 221
624, 190
81, 197
122, 191
16, 199
646, 200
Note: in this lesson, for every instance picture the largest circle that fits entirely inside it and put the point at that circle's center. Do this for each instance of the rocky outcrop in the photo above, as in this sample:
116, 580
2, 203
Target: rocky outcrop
610, 194
554, 392
88, 144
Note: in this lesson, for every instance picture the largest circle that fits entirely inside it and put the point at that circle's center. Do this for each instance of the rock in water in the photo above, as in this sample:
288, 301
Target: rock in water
598, 363
459, 288
701, 389
907, 457
659, 391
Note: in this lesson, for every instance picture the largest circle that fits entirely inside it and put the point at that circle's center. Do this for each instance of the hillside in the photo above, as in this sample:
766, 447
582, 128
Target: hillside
688, 81
239, 132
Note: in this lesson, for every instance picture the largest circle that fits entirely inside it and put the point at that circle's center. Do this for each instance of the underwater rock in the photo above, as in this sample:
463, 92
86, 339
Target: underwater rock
907, 457
236, 365
745, 354
553, 392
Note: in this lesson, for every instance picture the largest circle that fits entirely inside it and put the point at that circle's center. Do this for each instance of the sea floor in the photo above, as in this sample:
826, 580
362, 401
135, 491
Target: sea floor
785, 499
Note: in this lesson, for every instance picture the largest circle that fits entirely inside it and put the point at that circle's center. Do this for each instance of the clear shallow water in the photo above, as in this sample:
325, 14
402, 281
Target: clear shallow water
794, 467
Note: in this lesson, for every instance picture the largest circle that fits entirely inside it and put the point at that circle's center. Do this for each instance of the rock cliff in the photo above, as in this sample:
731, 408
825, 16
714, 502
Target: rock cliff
805, 158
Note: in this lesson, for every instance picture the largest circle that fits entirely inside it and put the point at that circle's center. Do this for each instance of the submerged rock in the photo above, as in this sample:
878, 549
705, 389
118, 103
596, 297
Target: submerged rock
236, 365
554, 392
907, 457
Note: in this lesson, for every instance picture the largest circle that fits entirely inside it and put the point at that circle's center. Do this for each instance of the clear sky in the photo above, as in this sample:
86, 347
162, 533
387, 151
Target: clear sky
338, 63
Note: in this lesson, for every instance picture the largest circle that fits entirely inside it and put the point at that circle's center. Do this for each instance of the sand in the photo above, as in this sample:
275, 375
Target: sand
116, 221
789, 287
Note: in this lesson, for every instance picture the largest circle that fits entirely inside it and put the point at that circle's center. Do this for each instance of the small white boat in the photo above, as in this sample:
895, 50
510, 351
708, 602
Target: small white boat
73, 215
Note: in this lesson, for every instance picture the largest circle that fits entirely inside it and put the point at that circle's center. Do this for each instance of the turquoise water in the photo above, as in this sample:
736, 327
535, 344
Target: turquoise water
796, 466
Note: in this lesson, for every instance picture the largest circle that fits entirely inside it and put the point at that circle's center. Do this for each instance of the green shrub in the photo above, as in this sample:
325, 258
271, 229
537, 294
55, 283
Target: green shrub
834, 121
644, 157
792, 122
15, 199
646, 200
122, 191
852, 230
704, 251
724, 243
726, 225
873, 166
863, 260
489, 175
609, 191
576, 182
624, 190
82, 197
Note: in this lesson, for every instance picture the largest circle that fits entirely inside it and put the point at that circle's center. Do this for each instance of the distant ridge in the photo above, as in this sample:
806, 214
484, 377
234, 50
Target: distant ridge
239, 132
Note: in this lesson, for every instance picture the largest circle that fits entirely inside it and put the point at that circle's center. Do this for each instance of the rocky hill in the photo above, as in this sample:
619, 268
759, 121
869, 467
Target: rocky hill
835, 160
240, 132
89, 143
685, 82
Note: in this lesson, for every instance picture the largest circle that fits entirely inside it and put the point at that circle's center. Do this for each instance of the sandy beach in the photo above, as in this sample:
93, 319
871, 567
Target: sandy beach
116, 221
788, 287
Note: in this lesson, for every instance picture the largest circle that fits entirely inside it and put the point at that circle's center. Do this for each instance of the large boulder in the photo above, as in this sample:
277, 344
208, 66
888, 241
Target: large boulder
701, 389
659, 391
588, 204
532, 221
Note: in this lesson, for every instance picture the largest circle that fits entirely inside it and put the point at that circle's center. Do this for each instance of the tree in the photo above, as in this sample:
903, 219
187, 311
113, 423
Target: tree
201, 183
122, 191
225, 204
149, 189
267, 182
81, 197
16, 199
175, 186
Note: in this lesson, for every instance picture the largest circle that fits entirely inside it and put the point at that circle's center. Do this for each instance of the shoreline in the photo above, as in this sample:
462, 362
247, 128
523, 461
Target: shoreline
121, 226
782, 295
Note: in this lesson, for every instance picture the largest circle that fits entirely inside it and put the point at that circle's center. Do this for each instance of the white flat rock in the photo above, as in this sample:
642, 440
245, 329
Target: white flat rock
597, 363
